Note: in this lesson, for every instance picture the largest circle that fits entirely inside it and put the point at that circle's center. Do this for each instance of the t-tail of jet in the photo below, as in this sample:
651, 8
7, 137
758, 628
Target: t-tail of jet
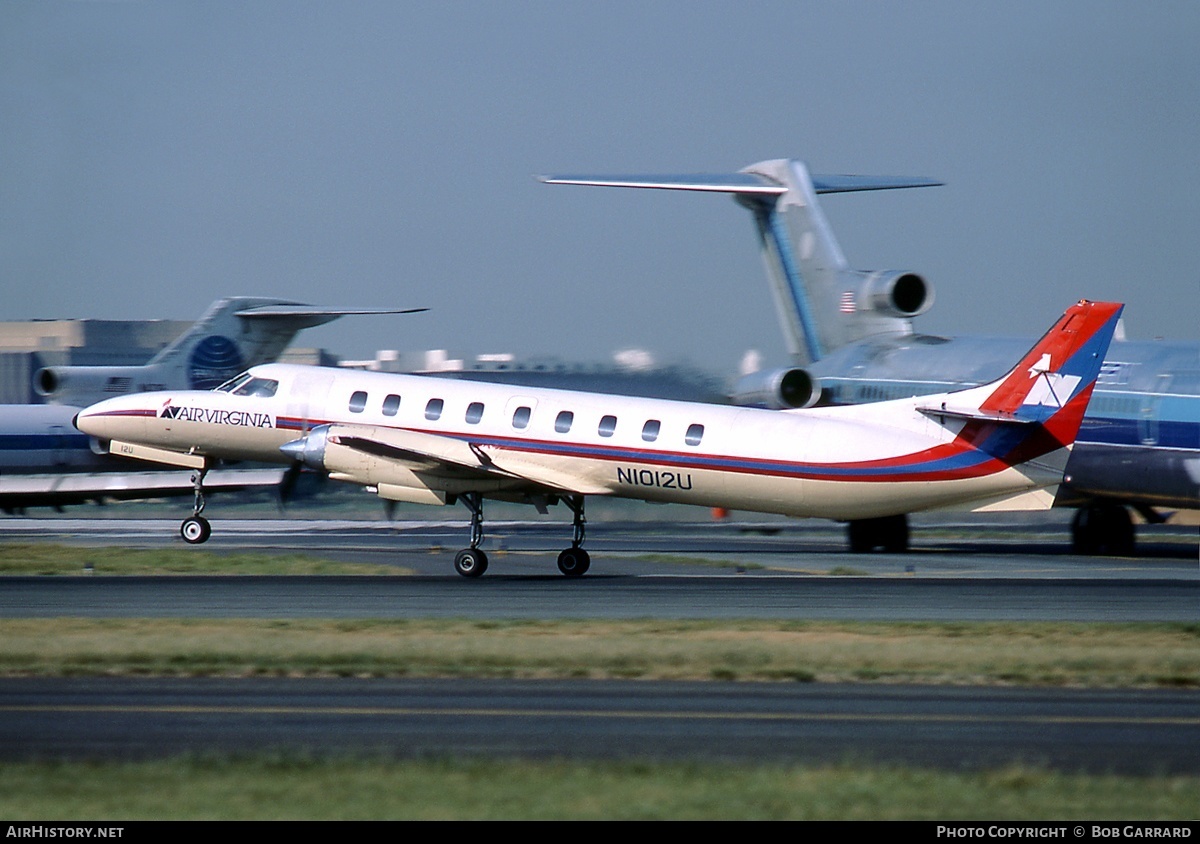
233, 334
822, 303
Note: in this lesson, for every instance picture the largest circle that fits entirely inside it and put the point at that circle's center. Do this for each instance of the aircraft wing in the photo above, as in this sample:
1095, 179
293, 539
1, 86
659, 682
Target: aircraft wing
436, 458
52, 490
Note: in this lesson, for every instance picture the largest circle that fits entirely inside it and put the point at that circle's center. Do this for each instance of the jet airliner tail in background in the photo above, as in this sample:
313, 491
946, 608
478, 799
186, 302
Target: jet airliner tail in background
822, 303
45, 462
233, 334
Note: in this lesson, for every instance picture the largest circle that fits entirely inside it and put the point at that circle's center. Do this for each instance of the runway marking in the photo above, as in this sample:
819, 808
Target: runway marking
1191, 721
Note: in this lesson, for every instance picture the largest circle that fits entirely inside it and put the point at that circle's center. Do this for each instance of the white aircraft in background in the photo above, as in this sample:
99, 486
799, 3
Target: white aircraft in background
851, 340
45, 461
431, 440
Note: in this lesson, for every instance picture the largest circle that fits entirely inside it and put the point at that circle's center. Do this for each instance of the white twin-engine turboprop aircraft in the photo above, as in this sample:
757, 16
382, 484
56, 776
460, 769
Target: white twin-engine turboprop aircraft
1002, 445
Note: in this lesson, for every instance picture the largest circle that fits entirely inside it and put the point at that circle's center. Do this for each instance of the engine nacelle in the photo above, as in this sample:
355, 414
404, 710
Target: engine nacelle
777, 389
89, 384
897, 294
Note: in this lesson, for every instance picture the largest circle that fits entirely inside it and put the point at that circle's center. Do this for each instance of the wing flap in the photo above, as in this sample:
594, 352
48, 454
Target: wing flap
456, 460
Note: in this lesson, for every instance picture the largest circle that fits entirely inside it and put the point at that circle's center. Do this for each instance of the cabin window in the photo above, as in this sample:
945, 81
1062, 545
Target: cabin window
694, 434
562, 422
433, 410
521, 417
358, 401
391, 404
474, 412
650, 430
608, 424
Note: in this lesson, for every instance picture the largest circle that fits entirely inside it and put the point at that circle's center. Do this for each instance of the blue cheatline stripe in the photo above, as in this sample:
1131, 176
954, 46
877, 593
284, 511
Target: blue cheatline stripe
1112, 430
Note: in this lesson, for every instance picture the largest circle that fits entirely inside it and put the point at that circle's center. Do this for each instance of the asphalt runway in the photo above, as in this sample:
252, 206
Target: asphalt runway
1100, 732
641, 570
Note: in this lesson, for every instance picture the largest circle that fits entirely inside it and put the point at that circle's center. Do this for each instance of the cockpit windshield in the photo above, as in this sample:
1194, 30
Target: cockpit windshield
248, 385
233, 383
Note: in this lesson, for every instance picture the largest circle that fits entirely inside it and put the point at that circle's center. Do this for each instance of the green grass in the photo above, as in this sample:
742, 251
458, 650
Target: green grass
298, 787
49, 559
1105, 655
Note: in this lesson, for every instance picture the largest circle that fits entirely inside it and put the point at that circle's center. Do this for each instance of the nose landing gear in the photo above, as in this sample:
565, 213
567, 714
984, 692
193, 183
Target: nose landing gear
196, 529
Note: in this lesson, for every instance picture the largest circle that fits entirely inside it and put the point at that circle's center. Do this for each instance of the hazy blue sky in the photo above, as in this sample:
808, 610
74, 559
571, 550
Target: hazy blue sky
157, 155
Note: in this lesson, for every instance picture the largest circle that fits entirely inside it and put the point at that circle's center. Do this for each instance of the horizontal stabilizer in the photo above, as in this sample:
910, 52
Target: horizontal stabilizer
743, 184
972, 414
282, 311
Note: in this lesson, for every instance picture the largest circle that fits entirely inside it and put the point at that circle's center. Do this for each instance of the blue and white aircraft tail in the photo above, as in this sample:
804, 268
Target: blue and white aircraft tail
822, 303
233, 334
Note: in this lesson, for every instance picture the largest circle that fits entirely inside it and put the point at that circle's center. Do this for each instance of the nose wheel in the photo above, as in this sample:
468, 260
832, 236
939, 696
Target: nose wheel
196, 529
470, 562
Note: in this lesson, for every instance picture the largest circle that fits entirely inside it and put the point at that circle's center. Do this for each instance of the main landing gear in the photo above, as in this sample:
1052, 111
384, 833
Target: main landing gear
1103, 528
574, 561
196, 529
473, 562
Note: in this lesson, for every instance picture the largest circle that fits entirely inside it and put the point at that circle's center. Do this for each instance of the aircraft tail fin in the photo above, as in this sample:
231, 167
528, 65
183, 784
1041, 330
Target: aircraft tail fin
821, 303
239, 332
1050, 386
233, 334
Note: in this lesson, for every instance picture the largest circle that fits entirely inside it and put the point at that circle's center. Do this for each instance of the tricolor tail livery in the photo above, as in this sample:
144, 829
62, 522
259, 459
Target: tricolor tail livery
1052, 383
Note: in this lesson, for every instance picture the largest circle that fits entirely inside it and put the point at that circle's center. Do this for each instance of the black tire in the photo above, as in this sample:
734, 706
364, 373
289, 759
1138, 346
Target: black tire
574, 562
1103, 529
470, 562
195, 530
888, 532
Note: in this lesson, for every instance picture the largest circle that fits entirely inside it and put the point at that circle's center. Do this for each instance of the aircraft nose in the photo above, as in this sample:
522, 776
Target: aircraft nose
113, 419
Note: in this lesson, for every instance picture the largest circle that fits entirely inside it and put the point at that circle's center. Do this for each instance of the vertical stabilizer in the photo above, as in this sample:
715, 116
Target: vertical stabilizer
803, 259
233, 334
821, 303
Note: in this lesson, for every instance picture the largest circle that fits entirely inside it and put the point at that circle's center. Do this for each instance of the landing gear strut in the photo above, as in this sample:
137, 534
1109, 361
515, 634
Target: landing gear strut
889, 533
196, 528
472, 562
574, 561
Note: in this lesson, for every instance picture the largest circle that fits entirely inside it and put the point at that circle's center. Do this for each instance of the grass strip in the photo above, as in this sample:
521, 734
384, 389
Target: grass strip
997, 653
35, 558
298, 787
